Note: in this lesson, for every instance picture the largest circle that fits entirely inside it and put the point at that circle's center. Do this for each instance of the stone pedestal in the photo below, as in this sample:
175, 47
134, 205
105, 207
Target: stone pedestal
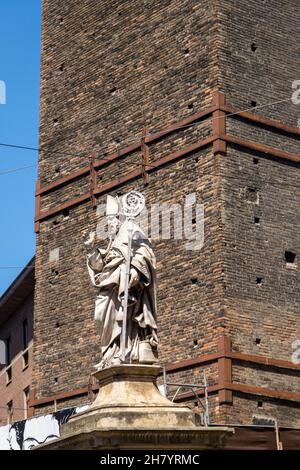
130, 413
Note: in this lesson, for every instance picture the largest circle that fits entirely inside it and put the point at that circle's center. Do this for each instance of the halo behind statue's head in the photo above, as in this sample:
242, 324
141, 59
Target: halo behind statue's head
132, 204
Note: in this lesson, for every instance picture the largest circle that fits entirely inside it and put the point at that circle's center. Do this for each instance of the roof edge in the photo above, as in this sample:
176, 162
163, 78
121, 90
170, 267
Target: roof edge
20, 288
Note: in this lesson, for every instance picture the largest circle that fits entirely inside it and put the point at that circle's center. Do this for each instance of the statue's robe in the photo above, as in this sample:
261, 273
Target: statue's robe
107, 271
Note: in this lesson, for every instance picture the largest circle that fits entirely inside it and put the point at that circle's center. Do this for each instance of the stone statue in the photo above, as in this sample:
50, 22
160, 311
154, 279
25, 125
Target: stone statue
125, 275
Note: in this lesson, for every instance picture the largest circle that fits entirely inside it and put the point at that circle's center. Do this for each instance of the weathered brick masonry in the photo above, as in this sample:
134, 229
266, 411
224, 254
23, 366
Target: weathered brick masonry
110, 71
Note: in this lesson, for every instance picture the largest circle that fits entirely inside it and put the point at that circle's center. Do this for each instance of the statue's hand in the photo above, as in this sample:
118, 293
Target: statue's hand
89, 239
134, 277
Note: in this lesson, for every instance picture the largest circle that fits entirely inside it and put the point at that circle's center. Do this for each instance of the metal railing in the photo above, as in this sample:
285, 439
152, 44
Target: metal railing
193, 388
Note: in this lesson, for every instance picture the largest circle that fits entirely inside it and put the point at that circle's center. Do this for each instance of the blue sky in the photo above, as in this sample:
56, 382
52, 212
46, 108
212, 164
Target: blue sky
20, 33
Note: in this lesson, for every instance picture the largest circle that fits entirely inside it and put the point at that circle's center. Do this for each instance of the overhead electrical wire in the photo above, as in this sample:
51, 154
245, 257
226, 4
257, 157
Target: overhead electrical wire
16, 267
13, 170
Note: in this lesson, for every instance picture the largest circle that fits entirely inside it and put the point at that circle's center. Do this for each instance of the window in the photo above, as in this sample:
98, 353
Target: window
8, 375
26, 401
25, 333
7, 351
9, 412
25, 359
290, 258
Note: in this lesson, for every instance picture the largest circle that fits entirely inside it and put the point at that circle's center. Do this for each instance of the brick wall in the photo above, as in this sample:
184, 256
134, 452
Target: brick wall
138, 64
258, 64
21, 375
257, 56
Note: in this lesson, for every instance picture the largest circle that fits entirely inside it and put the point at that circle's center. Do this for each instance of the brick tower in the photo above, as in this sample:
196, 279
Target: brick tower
158, 96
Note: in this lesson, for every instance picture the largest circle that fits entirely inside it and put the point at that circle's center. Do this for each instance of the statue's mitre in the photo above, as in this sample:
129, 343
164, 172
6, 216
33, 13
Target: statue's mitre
112, 205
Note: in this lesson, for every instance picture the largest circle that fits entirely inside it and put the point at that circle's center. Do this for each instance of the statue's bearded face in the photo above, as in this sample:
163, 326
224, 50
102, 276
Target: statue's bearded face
113, 224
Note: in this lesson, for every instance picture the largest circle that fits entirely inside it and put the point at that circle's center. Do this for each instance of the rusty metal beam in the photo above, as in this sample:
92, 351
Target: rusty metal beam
218, 123
173, 367
62, 181
57, 209
224, 387
145, 157
230, 387
149, 168
224, 370
178, 125
181, 153
236, 112
264, 392
62, 396
219, 138
126, 151
266, 361
129, 177
218, 106
266, 149
225, 352
121, 153
37, 207
93, 179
